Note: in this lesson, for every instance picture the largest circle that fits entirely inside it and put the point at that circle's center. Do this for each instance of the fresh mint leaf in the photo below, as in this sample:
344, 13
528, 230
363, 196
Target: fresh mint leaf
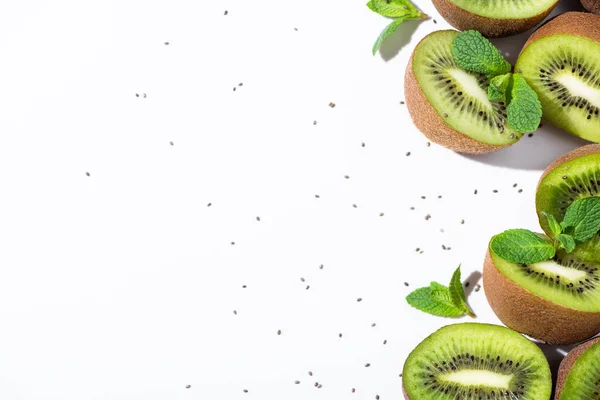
401, 10
522, 246
457, 293
473, 52
439, 300
394, 8
583, 218
435, 302
498, 87
524, 110
567, 242
555, 227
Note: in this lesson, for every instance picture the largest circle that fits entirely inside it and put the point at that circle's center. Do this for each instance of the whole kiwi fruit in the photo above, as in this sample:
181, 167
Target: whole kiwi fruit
494, 18
579, 372
592, 5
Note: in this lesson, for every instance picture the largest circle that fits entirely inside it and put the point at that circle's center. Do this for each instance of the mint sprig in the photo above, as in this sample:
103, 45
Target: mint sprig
582, 218
473, 52
522, 246
400, 10
436, 299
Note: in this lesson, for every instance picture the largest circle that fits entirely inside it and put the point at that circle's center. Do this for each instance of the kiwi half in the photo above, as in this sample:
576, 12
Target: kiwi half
494, 18
561, 62
449, 105
592, 5
476, 361
573, 176
579, 373
556, 301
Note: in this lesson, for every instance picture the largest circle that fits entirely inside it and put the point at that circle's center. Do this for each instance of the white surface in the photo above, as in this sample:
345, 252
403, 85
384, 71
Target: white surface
123, 284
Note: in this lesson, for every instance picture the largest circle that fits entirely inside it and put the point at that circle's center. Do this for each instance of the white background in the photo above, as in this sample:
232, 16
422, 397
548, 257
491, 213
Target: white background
123, 284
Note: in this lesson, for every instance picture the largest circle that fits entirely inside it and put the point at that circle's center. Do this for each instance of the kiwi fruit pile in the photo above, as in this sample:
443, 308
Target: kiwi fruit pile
473, 361
450, 105
573, 176
579, 373
495, 18
561, 62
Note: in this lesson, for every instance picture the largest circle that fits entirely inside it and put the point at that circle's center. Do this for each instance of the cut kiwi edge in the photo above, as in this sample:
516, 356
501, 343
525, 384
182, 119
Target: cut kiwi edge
567, 363
463, 19
431, 124
575, 23
532, 315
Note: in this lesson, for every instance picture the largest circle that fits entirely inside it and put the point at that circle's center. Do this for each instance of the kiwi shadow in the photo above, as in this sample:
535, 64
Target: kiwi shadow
533, 153
398, 40
473, 280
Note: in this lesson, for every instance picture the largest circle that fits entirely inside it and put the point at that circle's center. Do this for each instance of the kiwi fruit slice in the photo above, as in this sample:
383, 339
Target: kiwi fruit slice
494, 18
555, 301
449, 105
573, 176
592, 5
473, 361
561, 62
579, 373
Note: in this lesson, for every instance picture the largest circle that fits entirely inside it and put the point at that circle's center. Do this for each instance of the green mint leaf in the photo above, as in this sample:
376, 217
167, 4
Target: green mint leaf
473, 52
522, 246
524, 110
387, 32
554, 225
498, 87
395, 8
435, 302
583, 218
567, 242
457, 293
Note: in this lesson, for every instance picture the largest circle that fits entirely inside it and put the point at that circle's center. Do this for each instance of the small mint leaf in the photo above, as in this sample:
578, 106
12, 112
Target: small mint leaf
435, 302
522, 246
457, 293
498, 87
473, 52
567, 242
387, 32
524, 110
583, 218
555, 227
395, 8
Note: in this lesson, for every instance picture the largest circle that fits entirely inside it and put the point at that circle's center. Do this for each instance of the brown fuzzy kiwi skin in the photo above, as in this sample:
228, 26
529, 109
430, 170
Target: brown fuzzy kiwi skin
430, 123
463, 20
571, 23
592, 5
532, 315
579, 152
567, 363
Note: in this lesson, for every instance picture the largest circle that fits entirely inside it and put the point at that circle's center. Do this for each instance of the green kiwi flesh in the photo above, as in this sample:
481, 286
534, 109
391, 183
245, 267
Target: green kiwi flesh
575, 179
476, 361
566, 280
583, 381
459, 97
505, 9
564, 71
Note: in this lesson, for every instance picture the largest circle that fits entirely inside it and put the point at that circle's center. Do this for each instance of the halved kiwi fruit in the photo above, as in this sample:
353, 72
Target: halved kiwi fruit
592, 5
579, 373
561, 62
573, 176
476, 361
556, 301
494, 18
449, 105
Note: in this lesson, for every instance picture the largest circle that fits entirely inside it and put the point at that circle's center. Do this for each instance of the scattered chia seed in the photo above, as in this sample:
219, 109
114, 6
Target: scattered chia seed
401, 102
412, 208
317, 196
137, 95
495, 191
408, 154
427, 217
297, 382
359, 299
232, 243
445, 115
477, 288
462, 221
302, 279
514, 185
377, 397
373, 325
319, 386
241, 84
316, 384
439, 197
354, 205
226, 12
166, 43
347, 176
385, 342
87, 173
367, 365
332, 105
171, 143
209, 204
188, 386
314, 122
363, 144
475, 191
406, 284
442, 230
423, 197
530, 135
279, 332
244, 286
520, 190
443, 247
245, 390
340, 335
434, 21
258, 219
417, 249
234, 312
353, 390
381, 214
234, 88
307, 287
310, 373
296, 29
144, 95
428, 144
564, 177
321, 266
